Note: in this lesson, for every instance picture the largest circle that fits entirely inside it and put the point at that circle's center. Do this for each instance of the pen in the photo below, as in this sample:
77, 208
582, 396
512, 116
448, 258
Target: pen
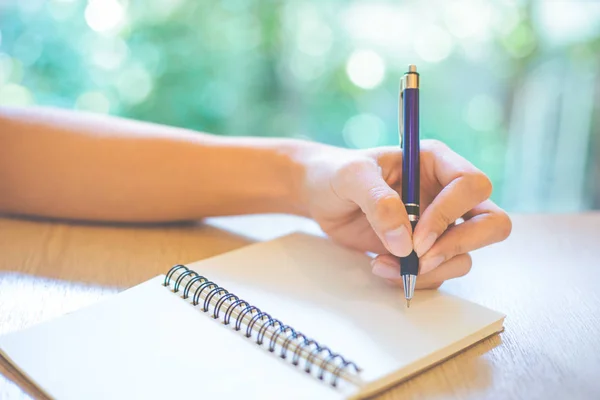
409, 135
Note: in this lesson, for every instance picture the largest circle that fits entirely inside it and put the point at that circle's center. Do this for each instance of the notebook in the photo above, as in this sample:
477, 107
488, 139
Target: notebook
296, 317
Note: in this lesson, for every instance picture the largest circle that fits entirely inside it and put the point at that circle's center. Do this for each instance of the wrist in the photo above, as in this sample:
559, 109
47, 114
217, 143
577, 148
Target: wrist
264, 175
298, 155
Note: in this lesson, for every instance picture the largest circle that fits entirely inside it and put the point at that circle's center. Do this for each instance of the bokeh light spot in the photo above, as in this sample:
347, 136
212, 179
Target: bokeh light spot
433, 44
134, 84
241, 33
15, 95
161, 10
104, 15
234, 5
16, 71
506, 18
6, 67
468, 18
151, 57
520, 42
62, 10
27, 48
390, 25
568, 22
365, 68
93, 101
306, 68
314, 38
364, 131
109, 53
31, 6
483, 113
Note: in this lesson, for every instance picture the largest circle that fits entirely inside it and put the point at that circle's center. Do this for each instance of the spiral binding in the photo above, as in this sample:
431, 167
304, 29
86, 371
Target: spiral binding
317, 358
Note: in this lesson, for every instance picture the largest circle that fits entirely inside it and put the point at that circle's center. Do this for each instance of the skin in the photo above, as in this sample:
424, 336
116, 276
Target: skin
72, 165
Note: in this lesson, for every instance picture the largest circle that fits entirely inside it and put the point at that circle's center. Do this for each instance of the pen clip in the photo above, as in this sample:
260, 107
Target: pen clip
401, 109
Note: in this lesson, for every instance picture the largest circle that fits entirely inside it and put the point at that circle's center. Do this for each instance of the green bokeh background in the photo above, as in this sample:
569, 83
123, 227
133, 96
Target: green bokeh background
275, 68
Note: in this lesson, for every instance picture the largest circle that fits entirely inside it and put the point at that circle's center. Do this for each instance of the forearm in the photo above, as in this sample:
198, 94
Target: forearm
62, 164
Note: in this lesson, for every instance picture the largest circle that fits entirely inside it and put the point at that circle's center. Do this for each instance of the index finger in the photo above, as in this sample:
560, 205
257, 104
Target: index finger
464, 187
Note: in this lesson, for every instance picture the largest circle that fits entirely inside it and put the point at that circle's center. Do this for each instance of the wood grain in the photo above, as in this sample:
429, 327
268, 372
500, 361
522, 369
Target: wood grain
545, 277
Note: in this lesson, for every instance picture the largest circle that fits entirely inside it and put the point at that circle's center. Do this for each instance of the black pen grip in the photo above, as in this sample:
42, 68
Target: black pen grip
409, 265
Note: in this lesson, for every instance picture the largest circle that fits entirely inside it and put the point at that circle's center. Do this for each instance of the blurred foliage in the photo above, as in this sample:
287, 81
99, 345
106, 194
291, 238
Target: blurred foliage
325, 71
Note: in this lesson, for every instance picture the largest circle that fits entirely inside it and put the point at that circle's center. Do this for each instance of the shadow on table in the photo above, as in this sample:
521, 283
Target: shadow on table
109, 255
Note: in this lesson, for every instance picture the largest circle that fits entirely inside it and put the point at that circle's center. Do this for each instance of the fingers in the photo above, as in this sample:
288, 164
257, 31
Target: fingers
386, 266
362, 183
358, 235
488, 225
464, 187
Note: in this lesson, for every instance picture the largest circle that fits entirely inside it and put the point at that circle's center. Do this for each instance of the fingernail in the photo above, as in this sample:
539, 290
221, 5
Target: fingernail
423, 246
430, 264
399, 241
385, 271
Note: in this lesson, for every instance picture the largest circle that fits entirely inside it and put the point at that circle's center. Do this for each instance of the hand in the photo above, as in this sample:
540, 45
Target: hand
354, 196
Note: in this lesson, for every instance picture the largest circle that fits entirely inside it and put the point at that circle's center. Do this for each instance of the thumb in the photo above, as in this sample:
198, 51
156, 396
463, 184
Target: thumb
363, 184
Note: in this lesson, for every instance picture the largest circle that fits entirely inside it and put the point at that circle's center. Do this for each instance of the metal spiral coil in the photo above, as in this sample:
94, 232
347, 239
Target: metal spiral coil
294, 342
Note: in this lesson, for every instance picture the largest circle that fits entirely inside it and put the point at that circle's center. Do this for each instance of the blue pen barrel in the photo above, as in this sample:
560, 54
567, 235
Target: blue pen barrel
410, 171
410, 144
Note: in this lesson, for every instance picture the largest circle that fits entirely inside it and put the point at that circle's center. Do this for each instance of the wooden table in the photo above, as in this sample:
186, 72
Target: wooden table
545, 277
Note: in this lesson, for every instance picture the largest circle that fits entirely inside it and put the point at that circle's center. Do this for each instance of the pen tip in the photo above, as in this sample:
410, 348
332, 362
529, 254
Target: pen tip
407, 303
412, 68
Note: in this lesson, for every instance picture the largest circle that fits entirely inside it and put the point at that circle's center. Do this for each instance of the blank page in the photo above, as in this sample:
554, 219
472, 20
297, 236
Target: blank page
147, 343
329, 293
